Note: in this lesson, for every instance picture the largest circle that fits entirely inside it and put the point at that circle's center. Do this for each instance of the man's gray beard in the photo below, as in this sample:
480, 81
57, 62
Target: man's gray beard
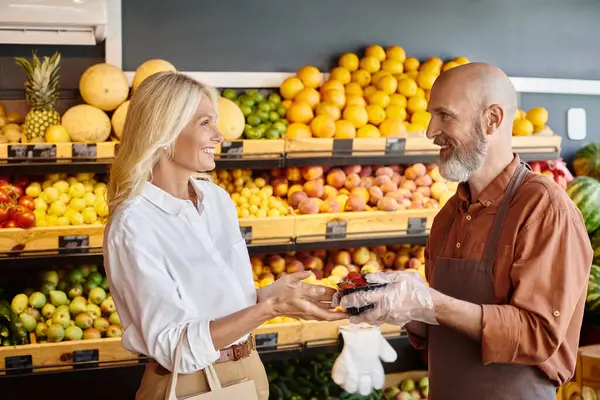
463, 162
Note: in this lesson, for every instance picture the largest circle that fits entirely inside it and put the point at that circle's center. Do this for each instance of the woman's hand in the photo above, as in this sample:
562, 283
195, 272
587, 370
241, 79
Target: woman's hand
291, 297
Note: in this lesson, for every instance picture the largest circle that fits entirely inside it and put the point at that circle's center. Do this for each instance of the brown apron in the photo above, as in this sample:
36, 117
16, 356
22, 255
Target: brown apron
456, 369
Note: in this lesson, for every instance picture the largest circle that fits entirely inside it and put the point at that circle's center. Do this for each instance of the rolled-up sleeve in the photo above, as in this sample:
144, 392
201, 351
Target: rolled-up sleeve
553, 257
152, 309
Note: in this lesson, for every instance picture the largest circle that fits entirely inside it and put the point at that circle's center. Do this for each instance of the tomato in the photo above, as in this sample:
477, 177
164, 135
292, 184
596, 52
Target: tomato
3, 197
22, 181
24, 218
4, 179
10, 224
27, 202
4, 214
13, 192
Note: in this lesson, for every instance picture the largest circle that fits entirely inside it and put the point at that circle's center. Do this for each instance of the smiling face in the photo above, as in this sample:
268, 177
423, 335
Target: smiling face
194, 148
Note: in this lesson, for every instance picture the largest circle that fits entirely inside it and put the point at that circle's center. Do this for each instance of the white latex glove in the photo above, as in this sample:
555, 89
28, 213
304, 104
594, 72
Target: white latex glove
405, 298
358, 367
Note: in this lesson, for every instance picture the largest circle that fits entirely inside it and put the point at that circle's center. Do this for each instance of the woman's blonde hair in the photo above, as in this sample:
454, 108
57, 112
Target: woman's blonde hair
159, 110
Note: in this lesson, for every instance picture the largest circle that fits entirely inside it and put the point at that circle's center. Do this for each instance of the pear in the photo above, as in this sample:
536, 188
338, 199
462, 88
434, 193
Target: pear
77, 307
94, 311
97, 295
73, 333
63, 308
91, 333
114, 331
96, 277
58, 298
34, 312
84, 320
75, 290
104, 284
28, 292
19, 303
49, 322
28, 322
76, 276
114, 319
37, 300
50, 277
47, 287
62, 286
48, 310
61, 318
55, 333
41, 330
101, 324
108, 306
85, 270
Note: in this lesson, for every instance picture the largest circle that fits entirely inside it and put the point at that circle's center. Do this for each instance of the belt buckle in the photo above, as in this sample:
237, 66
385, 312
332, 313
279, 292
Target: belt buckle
237, 352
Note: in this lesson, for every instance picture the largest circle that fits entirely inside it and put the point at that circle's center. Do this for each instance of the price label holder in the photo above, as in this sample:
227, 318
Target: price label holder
87, 357
232, 150
395, 146
342, 147
266, 341
74, 244
417, 225
117, 147
246, 233
18, 153
336, 229
16, 365
84, 150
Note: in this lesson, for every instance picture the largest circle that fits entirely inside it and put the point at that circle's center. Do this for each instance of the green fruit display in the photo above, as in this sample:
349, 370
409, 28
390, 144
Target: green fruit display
37, 300
265, 114
48, 310
58, 298
587, 161
585, 193
97, 295
55, 333
19, 303
73, 333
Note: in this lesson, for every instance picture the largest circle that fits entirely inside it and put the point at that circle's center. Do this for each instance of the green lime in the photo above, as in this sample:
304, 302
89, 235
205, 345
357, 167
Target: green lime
281, 110
251, 92
262, 127
263, 115
238, 102
246, 127
253, 133
248, 103
272, 133
280, 125
275, 98
264, 106
258, 97
246, 110
230, 94
273, 116
253, 119
244, 97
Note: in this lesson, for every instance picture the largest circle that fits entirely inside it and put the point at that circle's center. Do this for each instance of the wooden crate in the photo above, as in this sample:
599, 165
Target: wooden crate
51, 238
539, 143
274, 335
268, 230
251, 149
315, 330
21, 152
588, 366
363, 224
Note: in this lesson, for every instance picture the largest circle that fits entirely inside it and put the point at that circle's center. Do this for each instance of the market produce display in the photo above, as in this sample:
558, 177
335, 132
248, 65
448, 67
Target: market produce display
68, 304
408, 389
587, 161
554, 169
531, 122
592, 300
585, 192
16, 205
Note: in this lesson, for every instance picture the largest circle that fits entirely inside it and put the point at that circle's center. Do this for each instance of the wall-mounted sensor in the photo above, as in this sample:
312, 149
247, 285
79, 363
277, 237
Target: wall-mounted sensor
576, 124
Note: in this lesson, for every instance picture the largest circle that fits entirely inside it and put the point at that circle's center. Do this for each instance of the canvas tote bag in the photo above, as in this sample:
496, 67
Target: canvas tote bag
244, 389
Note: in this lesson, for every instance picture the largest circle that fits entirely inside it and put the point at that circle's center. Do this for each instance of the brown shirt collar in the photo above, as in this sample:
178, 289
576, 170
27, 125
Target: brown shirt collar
495, 190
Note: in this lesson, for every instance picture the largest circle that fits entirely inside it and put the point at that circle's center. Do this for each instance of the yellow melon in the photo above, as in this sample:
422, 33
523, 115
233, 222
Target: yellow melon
104, 86
231, 119
86, 123
118, 119
148, 68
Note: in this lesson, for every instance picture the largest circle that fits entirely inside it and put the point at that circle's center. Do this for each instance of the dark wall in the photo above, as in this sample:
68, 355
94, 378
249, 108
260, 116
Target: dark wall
534, 38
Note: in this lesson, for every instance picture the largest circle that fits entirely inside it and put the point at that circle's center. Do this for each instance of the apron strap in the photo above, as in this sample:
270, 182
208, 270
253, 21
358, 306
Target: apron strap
511, 191
442, 241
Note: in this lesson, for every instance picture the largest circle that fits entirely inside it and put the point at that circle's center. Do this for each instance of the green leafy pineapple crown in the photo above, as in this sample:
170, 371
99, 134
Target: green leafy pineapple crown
42, 86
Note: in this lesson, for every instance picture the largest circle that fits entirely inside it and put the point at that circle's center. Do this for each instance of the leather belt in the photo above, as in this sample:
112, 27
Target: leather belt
237, 352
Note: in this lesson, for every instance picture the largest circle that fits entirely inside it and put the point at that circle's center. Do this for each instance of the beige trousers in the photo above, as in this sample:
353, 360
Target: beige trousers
156, 378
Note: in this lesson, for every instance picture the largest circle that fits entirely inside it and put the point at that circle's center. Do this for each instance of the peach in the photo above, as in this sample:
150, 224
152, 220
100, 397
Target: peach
321, 253
413, 263
328, 268
387, 204
380, 250
384, 171
355, 203
344, 191
388, 259
296, 198
415, 205
352, 181
396, 168
389, 187
308, 206
396, 195
318, 273
311, 173
405, 192
431, 203
401, 261
397, 178
375, 193
365, 171
424, 180
336, 178
329, 192
276, 264
373, 256
293, 189
424, 190
437, 188
311, 262
293, 174
360, 256
363, 192
257, 265
352, 268
342, 200
372, 266
382, 180
302, 256
276, 172
267, 275
419, 169
314, 188
329, 205
410, 185
319, 263
280, 187
435, 175
431, 166
366, 182
352, 169
417, 197
409, 173
343, 258
294, 266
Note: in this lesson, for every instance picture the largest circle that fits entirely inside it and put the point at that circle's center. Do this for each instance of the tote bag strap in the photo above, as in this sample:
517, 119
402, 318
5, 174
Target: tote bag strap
211, 375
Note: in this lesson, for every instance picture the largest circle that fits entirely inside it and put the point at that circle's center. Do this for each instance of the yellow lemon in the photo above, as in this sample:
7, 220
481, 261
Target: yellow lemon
416, 103
57, 134
290, 87
407, 87
310, 76
369, 90
300, 112
328, 109
421, 117
331, 84
398, 100
395, 111
522, 127
335, 96
349, 61
376, 52
414, 128
341, 74
309, 96
322, 127
362, 77
425, 80
411, 64
538, 116
370, 64
395, 53
378, 75
420, 92
392, 66
297, 131
387, 84
376, 114
344, 130
355, 100
368, 131
449, 65
392, 127
380, 98
358, 116
412, 75
460, 60
518, 114
353, 88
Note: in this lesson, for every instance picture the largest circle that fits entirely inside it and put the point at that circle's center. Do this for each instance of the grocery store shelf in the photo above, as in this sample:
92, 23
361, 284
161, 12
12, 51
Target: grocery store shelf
34, 167
60, 257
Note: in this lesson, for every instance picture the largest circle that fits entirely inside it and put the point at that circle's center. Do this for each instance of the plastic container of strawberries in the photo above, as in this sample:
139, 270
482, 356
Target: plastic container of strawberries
354, 311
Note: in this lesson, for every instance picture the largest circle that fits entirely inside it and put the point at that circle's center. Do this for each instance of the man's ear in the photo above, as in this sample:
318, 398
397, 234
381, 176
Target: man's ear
494, 118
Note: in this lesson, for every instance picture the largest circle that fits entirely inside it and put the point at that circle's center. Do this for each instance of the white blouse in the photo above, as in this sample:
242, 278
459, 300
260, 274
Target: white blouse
172, 265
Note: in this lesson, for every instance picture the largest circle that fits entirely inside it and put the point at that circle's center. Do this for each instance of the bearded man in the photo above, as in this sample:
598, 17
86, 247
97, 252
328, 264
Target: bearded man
508, 258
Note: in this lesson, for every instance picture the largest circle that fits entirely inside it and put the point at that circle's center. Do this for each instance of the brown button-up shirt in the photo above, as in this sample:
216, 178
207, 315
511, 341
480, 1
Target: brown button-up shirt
541, 271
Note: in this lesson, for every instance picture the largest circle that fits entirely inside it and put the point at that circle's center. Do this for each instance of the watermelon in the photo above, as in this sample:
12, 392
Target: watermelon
587, 161
585, 193
592, 299
595, 240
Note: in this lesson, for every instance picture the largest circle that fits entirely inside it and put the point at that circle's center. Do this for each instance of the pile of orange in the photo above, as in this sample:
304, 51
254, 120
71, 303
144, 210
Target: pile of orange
382, 93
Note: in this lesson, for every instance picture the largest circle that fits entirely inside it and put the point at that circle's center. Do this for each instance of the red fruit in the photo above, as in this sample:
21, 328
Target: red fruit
4, 214
22, 181
4, 179
345, 285
27, 202
10, 224
13, 192
353, 276
3, 197
24, 219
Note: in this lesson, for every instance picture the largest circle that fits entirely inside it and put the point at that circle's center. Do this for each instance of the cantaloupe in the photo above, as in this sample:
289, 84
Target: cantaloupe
118, 119
104, 86
86, 123
231, 119
148, 68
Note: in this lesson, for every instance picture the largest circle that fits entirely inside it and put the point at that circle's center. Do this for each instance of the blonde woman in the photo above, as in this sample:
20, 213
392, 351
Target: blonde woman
174, 254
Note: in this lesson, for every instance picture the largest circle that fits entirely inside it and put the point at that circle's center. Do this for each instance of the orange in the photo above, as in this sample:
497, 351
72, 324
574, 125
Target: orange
349, 61
378, 75
329, 110
376, 52
286, 103
290, 87
340, 74
420, 117
368, 131
298, 131
299, 112
362, 77
355, 100
449, 65
412, 75
411, 64
460, 60
353, 88
310, 76
398, 100
356, 115
376, 114
416, 103
370, 64
392, 66
420, 92
407, 87
331, 84
395, 53
380, 98
322, 127
395, 111
392, 127
335, 96
425, 80
344, 130
309, 96
387, 84
369, 90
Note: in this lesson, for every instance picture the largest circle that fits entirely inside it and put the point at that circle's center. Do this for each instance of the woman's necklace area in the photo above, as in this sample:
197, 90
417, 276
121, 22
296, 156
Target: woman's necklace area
193, 195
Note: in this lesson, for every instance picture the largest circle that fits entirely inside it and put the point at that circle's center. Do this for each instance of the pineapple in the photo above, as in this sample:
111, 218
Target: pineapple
41, 93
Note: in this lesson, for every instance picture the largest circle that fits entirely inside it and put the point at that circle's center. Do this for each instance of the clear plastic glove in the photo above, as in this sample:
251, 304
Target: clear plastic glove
405, 298
358, 368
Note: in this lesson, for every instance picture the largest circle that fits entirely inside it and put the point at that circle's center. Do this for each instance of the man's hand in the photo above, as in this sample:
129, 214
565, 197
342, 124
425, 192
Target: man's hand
405, 298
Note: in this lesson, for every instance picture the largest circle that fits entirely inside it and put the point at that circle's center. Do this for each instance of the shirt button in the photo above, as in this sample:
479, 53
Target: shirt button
556, 313
468, 217
487, 203
457, 245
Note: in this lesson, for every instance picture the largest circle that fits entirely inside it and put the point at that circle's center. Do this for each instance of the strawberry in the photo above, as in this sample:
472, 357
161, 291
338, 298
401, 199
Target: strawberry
357, 279
346, 285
